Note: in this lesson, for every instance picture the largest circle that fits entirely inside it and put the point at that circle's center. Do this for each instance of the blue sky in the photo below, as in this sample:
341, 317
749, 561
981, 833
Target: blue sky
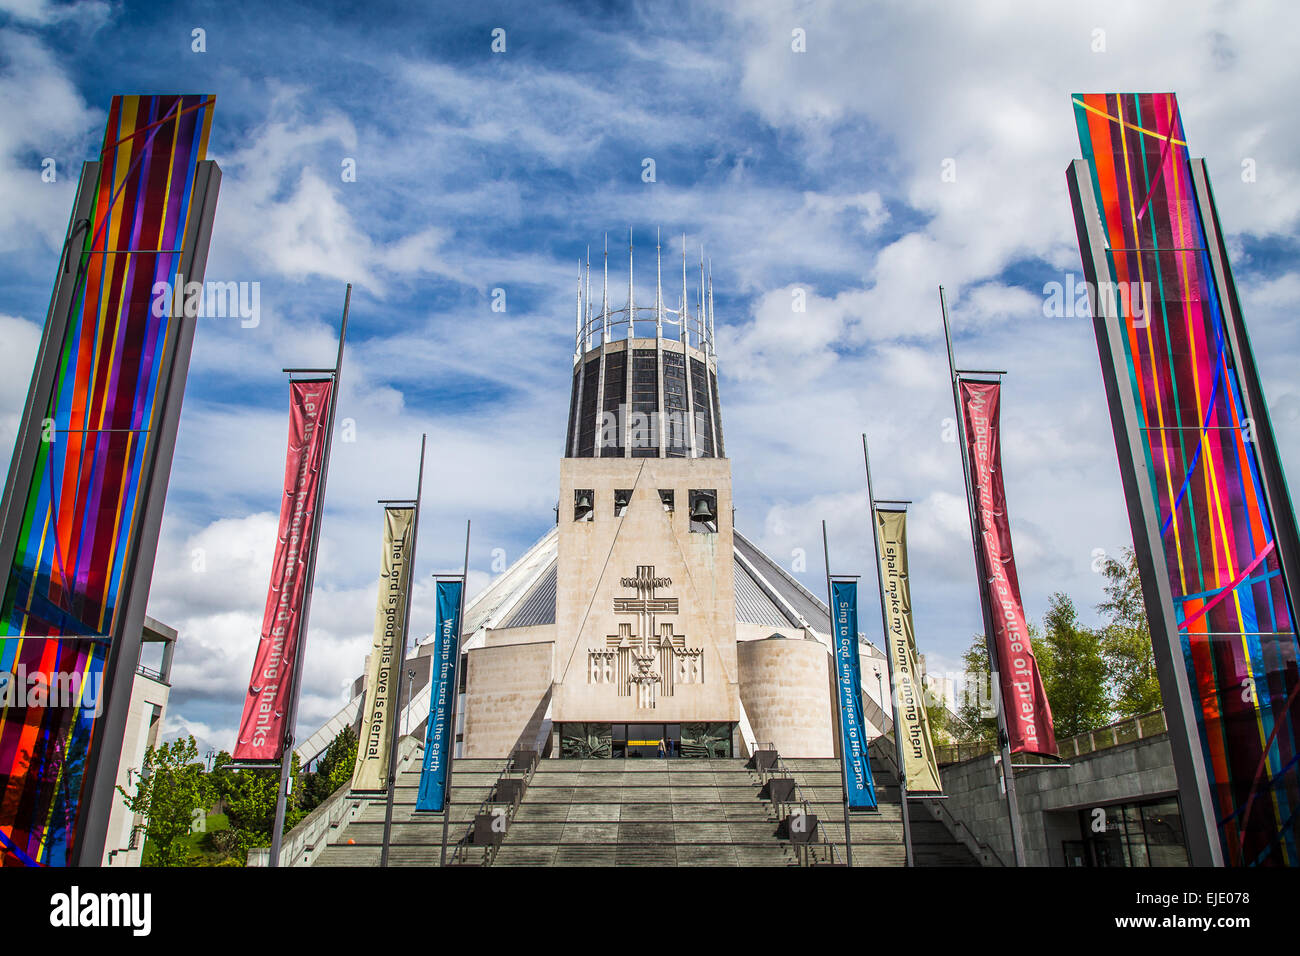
476, 170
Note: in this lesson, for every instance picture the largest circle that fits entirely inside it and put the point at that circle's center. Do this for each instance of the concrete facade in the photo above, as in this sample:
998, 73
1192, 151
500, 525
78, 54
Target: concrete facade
598, 644
785, 687
506, 693
149, 693
1050, 799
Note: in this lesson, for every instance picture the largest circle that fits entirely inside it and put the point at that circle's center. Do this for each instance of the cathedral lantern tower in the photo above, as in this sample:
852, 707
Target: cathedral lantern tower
645, 380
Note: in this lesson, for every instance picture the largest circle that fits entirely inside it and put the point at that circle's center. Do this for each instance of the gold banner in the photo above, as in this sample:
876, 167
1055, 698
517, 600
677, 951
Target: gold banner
918, 748
383, 682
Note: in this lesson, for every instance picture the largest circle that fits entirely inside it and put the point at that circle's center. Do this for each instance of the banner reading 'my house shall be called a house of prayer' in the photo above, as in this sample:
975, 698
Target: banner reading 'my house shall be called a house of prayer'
1029, 718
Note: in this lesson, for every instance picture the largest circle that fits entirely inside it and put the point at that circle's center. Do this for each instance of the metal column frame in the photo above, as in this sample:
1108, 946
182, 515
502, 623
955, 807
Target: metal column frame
835, 702
300, 646
982, 576
454, 679
1200, 827
395, 731
99, 785
40, 391
889, 662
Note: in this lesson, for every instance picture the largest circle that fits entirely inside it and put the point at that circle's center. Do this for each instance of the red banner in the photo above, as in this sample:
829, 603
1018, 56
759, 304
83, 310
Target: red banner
1029, 716
261, 729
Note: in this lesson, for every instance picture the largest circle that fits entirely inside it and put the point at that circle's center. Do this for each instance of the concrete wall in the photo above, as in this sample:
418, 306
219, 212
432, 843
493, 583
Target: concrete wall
506, 693
143, 728
1049, 799
594, 558
783, 685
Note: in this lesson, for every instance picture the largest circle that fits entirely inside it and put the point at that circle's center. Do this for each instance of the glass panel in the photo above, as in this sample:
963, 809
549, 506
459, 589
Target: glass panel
585, 741
643, 428
587, 424
703, 419
676, 435
615, 396
706, 740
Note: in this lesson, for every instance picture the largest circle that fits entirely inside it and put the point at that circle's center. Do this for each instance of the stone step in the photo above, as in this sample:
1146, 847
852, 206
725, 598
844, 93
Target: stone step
634, 855
641, 813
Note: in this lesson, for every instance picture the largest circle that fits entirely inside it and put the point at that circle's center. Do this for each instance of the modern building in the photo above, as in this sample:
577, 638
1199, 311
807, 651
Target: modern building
144, 724
1111, 800
643, 623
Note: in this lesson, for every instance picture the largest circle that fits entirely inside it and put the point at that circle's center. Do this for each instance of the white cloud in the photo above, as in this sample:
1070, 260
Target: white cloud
45, 118
90, 13
21, 339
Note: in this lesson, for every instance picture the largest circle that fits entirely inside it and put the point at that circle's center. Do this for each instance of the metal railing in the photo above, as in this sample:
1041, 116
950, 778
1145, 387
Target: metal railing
882, 749
1112, 735
517, 768
821, 852
150, 673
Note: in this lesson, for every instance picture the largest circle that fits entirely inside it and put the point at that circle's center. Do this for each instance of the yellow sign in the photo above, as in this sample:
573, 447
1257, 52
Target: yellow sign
382, 677
918, 748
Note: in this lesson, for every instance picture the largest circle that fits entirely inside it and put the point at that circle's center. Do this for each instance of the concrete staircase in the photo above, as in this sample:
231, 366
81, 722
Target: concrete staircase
645, 813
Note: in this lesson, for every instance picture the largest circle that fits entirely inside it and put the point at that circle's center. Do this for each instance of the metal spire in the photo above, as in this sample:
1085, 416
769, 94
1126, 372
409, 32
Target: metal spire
685, 331
699, 311
604, 298
659, 289
577, 319
631, 308
587, 326
712, 338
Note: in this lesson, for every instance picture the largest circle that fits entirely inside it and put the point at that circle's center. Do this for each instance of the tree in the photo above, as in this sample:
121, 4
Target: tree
976, 698
1074, 674
1126, 640
941, 723
333, 771
170, 788
250, 801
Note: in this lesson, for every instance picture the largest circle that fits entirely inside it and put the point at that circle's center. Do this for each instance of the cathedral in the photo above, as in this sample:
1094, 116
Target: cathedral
643, 624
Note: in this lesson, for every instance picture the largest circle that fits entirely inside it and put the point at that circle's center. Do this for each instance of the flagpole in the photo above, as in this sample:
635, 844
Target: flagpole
455, 696
889, 662
836, 706
291, 719
396, 716
982, 577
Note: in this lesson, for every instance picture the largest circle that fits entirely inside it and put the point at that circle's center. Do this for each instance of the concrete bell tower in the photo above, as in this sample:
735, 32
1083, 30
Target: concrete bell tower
645, 607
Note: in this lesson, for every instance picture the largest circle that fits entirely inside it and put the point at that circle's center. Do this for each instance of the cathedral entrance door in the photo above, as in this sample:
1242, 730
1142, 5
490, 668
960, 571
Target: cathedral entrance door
641, 741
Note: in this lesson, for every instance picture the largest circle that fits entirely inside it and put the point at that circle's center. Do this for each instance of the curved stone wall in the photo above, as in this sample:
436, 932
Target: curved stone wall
785, 687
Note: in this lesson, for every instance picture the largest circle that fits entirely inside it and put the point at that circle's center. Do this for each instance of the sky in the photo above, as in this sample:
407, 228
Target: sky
855, 154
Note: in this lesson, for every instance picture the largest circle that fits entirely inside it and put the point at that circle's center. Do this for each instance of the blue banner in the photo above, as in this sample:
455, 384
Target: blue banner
439, 735
848, 670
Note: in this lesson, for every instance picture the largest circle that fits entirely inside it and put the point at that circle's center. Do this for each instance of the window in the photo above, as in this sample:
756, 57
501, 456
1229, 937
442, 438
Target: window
622, 496
666, 498
584, 507
1130, 834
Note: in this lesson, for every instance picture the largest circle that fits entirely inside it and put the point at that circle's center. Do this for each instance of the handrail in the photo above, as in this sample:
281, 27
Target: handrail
942, 814
461, 851
1076, 746
805, 851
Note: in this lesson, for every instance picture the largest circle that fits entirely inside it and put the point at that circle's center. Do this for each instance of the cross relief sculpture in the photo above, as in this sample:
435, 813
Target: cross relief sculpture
646, 659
